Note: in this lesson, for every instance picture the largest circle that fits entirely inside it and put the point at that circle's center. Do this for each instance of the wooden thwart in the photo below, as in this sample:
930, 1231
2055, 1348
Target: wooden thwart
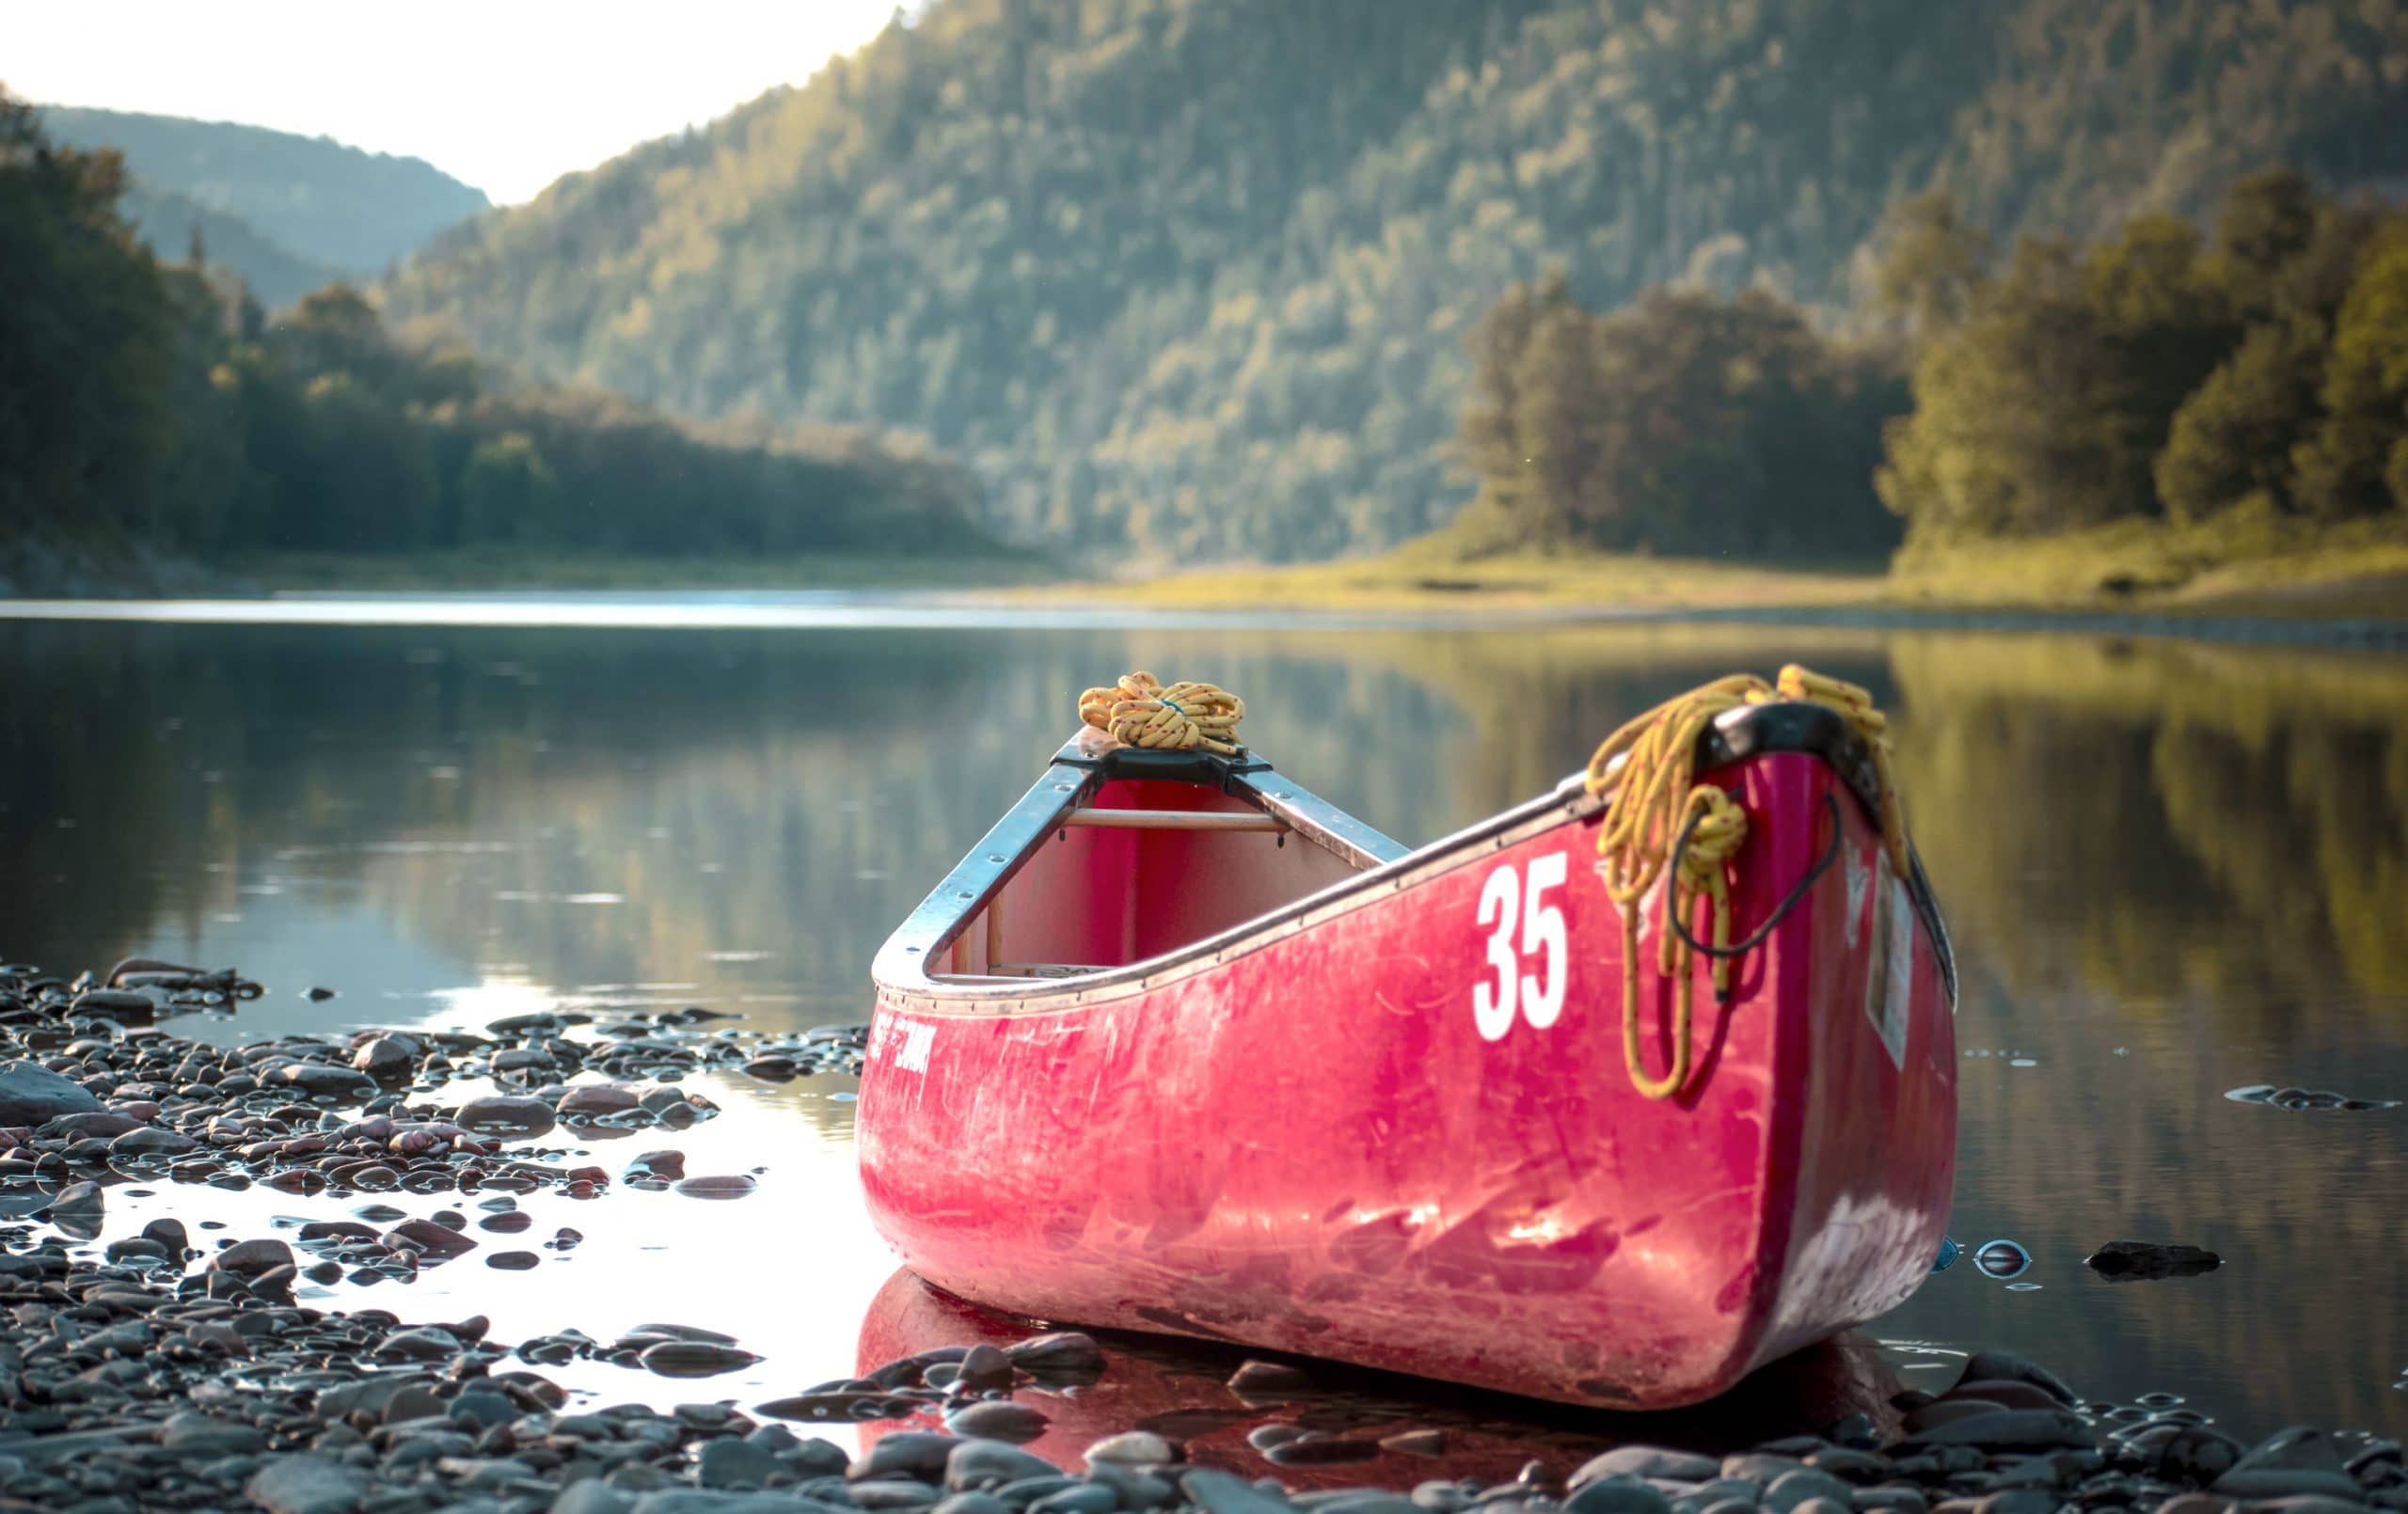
1174, 820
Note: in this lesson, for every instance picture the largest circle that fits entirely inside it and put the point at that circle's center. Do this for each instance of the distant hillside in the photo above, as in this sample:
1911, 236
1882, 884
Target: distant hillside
288, 213
165, 221
1191, 277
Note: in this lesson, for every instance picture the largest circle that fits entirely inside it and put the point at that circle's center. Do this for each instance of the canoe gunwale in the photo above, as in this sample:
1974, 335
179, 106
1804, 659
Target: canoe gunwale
1090, 759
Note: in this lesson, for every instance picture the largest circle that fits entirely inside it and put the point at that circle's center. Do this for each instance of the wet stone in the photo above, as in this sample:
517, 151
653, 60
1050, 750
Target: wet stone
978, 1464
1416, 1442
508, 1115
513, 1261
1793, 1489
731, 1186
694, 1359
733, 1463
907, 1453
1647, 1461
1617, 1494
997, 1420
31, 1093
1134, 1448
1219, 1493
2140, 1260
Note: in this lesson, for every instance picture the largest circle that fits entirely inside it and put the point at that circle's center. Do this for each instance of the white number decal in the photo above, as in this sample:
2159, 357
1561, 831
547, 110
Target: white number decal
1543, 932
1538, 997
1492, 1009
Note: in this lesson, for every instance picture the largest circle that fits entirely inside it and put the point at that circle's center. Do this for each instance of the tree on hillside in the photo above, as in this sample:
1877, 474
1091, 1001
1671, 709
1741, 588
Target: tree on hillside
86, 340
2356, 463
1685, 423
2232, 438
1931, 264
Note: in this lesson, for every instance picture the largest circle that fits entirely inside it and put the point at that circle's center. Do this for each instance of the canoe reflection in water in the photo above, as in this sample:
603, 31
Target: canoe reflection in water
1181, 1390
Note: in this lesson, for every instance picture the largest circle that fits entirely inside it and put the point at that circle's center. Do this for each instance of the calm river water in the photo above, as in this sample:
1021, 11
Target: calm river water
2172, 870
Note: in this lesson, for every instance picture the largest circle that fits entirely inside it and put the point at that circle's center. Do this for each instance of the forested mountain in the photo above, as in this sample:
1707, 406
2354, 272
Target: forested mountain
176, 227
1193, 278
287, 213
153, 406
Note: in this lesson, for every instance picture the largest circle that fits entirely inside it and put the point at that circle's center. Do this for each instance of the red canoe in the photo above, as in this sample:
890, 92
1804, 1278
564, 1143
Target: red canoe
1180, 1047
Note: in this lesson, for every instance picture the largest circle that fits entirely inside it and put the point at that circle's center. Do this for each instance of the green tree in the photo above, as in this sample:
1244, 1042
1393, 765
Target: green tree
86, 341
508, 492
2232, 438
2351, 465
1932, 265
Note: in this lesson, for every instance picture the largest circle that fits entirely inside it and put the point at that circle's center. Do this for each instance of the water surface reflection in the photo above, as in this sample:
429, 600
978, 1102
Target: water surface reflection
2172, 870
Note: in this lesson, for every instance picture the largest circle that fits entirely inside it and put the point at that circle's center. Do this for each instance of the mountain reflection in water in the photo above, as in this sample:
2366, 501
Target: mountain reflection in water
2172, 870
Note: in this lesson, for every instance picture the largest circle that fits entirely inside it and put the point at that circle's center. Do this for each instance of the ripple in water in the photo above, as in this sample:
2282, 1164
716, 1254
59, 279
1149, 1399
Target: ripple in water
2000, 1260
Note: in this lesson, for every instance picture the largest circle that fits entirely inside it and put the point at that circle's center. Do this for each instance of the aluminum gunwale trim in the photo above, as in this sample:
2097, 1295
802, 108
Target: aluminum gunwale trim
899, 975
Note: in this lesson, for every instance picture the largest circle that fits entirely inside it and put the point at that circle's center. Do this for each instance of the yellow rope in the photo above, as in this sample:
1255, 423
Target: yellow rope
1653, 795
1139, 712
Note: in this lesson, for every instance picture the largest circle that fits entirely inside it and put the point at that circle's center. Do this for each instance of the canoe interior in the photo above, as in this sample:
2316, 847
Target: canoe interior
1092, 897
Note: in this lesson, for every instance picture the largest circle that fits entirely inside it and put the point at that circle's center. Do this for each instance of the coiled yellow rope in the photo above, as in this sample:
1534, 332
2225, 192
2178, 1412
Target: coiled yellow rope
1653, 796
1139, 712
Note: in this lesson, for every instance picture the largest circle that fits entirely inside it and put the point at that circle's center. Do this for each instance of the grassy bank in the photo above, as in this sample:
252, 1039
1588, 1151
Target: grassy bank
1431, 575
2226, 568
2239, 565
490, 571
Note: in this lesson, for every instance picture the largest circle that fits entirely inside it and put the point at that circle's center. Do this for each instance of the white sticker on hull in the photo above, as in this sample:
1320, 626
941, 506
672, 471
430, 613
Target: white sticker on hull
905, 1043
1897, 998
1890, 970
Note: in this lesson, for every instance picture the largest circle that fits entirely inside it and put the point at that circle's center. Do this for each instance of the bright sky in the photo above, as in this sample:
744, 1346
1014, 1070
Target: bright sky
507, 95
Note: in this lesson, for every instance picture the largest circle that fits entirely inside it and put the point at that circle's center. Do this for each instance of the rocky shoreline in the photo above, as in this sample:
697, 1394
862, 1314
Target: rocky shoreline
157, 1372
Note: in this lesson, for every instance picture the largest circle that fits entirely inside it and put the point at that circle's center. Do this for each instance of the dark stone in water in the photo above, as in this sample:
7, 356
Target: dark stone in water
2138, 1261
122, 1005
916, 1454
983, 1367
507, 1116
1648, 1461
1063, 1354
1222, 1493
251, 1258
31, 1093
1256, 1379
2299, 1460
78, 1201
2302, 1098
997, 1420
513, 1261
1416, 1442
385, 1059
981, 1464
2010, 1430
431, 1239
734, 1187
659, 1164
1314, 1452
2005, 1366
2005, 1393
2197, 1455
694, 1359
839, 1408
100, 1123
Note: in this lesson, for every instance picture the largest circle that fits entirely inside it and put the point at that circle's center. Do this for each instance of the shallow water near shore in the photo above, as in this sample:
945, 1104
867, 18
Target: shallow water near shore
2172, 871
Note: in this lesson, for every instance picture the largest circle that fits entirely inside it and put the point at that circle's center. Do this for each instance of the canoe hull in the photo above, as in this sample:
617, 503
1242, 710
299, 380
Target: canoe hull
1402, 1134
